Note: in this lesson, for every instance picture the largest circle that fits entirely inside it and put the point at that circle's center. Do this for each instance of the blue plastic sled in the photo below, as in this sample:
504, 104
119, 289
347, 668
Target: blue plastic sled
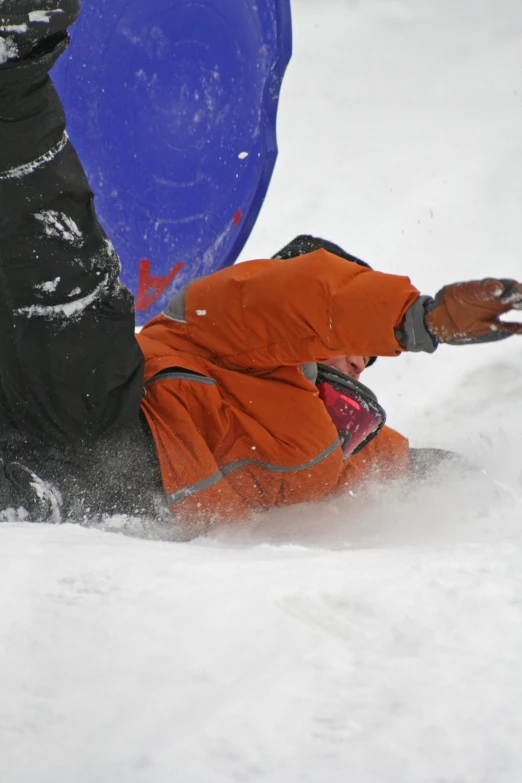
172, 107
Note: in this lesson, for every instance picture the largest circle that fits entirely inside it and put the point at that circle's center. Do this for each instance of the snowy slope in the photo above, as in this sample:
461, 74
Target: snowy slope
375, 640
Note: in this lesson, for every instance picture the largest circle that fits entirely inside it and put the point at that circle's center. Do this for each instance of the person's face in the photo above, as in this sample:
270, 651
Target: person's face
350, 365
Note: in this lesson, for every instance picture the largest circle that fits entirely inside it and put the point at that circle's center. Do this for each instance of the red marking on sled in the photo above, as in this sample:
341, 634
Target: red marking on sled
237, 217
150, 287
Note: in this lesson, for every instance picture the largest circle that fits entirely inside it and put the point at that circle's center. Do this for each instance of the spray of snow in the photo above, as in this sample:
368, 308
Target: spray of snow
14, 514
50, 496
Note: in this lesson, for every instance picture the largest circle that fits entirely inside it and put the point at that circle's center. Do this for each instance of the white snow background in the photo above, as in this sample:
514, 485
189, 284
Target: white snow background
370, 640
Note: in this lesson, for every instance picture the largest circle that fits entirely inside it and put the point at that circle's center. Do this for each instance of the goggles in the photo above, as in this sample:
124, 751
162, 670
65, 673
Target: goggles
353, 408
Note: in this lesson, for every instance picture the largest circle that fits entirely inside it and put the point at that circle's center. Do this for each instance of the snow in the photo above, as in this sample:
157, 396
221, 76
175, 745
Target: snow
49, 285
43, 16
58, 224
8, 49
374, 639
14, 28
65, 309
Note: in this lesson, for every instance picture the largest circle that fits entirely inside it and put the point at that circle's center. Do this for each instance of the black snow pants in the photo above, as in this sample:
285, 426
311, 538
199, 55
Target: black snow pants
71, 371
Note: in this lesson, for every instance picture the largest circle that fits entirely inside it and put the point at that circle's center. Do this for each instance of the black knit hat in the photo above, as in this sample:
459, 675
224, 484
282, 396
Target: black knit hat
305, 243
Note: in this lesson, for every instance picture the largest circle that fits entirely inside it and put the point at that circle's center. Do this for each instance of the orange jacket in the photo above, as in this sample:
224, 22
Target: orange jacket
250, 432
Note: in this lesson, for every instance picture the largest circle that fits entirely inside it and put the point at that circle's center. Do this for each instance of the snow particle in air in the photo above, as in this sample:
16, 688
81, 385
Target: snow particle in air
49, 286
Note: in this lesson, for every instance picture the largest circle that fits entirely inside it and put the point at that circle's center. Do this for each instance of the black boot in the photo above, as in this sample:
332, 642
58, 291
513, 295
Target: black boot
32, 498
25, 24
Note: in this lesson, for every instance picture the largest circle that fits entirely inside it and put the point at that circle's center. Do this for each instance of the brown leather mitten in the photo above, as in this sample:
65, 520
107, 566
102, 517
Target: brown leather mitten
469, 312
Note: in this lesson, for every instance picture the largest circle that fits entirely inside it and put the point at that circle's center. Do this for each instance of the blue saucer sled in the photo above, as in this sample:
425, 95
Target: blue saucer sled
172, 107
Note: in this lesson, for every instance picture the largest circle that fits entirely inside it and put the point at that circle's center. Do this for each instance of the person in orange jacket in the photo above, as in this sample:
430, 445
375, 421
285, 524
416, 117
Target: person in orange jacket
245, 429
237, 398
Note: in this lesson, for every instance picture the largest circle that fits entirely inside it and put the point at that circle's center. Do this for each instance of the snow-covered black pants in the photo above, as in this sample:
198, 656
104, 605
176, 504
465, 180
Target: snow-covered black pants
71, 371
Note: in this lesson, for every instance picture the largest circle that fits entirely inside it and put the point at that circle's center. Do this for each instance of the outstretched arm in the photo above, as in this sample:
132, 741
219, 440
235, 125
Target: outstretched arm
264, 314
